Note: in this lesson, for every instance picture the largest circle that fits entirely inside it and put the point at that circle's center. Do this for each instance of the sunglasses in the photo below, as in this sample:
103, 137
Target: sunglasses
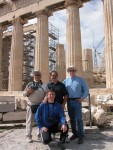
72, 71
54, 75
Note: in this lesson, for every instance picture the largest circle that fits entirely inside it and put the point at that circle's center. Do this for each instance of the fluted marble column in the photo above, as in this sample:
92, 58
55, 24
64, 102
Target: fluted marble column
60, 63
16, 57
73, 36
88, 66
108, 22
1, 45
42, 48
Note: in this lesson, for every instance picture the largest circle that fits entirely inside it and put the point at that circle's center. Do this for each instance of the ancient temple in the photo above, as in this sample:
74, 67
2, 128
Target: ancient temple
18, 12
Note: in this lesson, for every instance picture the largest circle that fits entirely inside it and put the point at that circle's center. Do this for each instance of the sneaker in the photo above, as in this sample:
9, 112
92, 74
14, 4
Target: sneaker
61, 146
67, 139
29, 140
80, 141
73, 137
53, 136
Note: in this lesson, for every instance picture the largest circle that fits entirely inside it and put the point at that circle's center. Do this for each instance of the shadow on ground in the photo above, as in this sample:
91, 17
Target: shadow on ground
91, 142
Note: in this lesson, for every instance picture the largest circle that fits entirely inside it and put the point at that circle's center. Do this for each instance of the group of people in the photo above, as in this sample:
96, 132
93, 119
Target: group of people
46, 104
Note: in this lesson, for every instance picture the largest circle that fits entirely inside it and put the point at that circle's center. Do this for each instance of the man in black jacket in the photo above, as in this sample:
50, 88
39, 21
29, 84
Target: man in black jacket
59, 88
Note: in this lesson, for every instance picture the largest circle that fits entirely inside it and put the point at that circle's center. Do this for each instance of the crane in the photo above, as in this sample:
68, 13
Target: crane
97, 53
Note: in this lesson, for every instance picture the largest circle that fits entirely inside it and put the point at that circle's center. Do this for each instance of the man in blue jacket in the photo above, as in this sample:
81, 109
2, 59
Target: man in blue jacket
50, 118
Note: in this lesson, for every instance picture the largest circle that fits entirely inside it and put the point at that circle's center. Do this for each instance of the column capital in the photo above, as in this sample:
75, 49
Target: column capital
78, 3
46, 12
20, 20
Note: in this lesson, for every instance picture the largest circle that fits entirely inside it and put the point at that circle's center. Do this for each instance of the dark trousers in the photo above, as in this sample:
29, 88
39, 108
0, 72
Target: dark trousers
46, 136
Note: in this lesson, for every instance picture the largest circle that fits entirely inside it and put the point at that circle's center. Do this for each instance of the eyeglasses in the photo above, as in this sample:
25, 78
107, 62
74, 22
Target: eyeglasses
54, 75
72, 71
37, 75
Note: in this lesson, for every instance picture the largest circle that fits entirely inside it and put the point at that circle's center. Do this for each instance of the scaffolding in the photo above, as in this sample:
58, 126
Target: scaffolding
29, 46
29, 39
53, 41
28, 59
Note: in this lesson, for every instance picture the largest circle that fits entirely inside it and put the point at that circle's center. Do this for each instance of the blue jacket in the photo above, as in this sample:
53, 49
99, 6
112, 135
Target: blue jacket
49, 110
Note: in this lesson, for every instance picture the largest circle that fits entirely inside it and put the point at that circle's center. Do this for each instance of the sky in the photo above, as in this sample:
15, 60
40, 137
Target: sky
92, 24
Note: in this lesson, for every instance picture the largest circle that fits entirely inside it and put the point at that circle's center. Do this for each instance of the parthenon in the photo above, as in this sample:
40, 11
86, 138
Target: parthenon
16, 13
27, 47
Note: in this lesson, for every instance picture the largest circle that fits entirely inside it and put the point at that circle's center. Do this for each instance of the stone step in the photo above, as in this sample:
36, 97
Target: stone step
7, 98
93, 129
7, 107
12, 125
14, 116
85, 105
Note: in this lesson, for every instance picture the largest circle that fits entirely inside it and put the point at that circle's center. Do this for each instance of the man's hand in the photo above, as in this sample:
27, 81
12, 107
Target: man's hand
44, 100
81, 100
29, 91
64, 128
44, 129
64, 102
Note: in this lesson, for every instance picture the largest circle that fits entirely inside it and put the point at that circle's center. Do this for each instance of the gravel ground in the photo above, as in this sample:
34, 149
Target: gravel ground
14, 139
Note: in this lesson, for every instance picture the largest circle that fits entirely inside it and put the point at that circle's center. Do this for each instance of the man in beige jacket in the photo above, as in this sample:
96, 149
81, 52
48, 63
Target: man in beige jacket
35, 91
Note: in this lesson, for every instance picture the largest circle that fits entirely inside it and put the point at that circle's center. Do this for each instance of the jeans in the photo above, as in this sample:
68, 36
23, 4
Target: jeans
75, 114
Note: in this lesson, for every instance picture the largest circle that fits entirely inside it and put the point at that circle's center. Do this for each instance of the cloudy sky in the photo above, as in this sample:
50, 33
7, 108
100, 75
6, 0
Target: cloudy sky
92, 26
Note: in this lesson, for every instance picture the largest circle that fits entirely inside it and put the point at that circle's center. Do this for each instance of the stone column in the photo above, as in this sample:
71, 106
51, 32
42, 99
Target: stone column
16, 57
108, 22
73, 36
41, 61
5, 63
60, 63
87, 60
1, 45
88, 66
